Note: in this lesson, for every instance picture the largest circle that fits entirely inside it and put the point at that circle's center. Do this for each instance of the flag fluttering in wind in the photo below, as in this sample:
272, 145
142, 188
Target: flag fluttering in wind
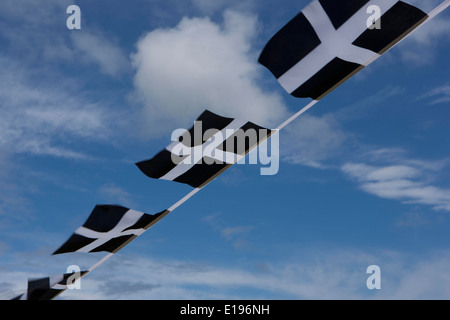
50, 287
202, 153
108, 229
331, 40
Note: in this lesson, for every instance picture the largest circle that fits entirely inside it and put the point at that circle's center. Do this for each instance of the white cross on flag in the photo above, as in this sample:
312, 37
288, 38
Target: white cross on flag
330, 41
108, 228
202, 153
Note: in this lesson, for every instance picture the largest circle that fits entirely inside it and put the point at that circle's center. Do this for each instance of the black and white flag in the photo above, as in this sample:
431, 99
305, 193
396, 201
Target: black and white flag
108, 228
212, 145
331, 40
50, 287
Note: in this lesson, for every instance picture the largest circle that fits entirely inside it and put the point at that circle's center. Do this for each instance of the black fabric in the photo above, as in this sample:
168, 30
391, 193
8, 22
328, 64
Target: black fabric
105, 217
144, 221
200, 174
394, 24
326, 79
165, 161
290, 45
159, 165
113, 245
208, 120
339, 11
204, 170
38, 288
250, 132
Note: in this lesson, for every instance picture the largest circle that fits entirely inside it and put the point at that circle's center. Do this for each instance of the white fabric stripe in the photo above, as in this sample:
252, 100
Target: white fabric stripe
199, 152
129, 219
88, 233
335, 43
196, 153
59, 287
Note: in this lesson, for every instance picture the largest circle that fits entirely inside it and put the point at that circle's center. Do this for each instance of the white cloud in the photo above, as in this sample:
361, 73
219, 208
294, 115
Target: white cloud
200, 65
406, 183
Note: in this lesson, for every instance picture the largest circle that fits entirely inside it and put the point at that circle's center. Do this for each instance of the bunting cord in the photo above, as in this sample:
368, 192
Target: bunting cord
298, 114
188, 196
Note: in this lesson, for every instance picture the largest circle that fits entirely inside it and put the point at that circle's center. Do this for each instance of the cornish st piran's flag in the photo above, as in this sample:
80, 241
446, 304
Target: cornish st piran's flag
108, 229
330, 40
202, 153
50, 287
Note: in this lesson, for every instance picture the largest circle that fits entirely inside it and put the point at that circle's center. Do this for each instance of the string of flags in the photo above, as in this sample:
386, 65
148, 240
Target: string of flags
327, 43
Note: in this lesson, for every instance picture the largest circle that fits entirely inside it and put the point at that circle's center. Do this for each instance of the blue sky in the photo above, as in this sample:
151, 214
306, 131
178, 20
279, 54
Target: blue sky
363, 176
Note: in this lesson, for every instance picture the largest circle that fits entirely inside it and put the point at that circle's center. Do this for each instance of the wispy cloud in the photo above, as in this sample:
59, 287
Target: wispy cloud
36, 33
323, 142
37, 118
311, 140
99, 49
420, 48
406, 183
437, 95
112, 193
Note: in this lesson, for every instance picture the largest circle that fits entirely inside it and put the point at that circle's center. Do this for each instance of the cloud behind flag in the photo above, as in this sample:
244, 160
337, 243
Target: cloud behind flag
329, 41
108, 229
202, 153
